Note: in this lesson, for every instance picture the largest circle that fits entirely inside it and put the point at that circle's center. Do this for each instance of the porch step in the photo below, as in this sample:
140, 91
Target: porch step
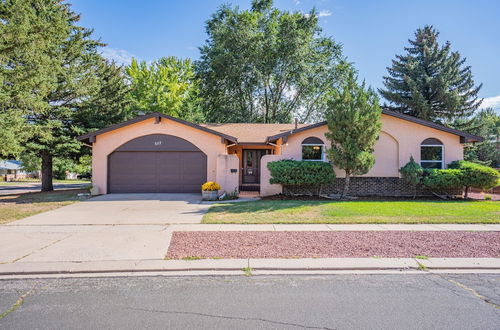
250, 187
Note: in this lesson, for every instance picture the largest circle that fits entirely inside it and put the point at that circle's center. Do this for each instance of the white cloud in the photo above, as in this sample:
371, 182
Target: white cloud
324, 13
120, 56
491, 102
297, 2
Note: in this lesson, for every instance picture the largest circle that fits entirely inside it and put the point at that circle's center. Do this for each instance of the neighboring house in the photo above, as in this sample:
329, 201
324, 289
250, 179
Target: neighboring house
12, 170
159, 153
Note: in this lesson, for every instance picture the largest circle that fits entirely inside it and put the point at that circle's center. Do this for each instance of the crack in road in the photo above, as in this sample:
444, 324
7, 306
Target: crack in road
474, 292
19, 302
232, 318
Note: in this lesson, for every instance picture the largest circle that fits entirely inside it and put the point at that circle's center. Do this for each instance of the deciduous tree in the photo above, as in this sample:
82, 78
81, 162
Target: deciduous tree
267, 65
486, 124
168, 86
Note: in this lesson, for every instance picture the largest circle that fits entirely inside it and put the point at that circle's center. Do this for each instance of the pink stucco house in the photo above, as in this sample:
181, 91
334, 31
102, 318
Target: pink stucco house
159, 153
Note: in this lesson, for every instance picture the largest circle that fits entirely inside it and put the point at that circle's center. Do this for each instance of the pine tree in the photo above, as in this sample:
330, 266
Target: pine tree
353, 118
47, 66
431, 81
109, 102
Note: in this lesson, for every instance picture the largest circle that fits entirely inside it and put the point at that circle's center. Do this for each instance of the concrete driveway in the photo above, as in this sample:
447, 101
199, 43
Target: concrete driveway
105, 228
125, 209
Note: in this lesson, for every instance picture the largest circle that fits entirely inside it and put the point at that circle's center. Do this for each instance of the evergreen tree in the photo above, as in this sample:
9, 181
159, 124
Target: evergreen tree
47, 69
354, 125
12, 133
25, 67
109, 101
412, 173
431, 81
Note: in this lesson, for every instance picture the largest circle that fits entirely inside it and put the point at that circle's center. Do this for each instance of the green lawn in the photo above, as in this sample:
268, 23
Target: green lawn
355, 212
18, 206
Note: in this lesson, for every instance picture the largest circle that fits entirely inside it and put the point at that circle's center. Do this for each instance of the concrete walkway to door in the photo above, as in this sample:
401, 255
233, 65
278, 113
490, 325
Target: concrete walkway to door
125, 209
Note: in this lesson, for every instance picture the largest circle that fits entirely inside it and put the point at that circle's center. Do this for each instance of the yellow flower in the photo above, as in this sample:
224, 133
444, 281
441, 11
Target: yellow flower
210, 186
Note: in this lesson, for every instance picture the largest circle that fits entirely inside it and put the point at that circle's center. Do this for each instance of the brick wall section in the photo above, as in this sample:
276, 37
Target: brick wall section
367, 186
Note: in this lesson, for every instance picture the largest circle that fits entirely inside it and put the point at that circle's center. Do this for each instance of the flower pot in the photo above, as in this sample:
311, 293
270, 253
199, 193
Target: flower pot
210, 195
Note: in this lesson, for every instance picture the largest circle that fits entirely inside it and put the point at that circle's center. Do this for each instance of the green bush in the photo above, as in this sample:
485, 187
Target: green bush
443, 179
476, 175
412, 173
297, 173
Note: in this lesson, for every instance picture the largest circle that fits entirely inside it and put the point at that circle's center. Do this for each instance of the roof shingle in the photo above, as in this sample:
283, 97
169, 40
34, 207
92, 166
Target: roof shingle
255, 133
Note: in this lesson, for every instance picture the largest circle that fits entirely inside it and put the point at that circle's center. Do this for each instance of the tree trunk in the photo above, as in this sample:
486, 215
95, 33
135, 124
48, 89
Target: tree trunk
466, 192
346, 184
47, 171
414, 191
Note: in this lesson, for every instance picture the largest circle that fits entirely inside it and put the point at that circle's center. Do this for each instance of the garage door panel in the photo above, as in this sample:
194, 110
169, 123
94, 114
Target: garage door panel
162, 171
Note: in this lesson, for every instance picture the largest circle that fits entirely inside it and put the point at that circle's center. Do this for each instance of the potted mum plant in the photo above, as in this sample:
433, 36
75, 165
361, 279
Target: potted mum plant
210, 191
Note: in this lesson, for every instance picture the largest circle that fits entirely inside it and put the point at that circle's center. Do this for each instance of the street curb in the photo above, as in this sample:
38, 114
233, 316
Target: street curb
245, 266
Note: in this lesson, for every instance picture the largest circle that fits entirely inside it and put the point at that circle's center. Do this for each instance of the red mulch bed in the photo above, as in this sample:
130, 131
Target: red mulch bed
342, 244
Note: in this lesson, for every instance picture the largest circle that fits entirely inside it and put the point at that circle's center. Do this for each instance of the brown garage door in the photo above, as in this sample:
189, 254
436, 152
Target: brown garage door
156, 163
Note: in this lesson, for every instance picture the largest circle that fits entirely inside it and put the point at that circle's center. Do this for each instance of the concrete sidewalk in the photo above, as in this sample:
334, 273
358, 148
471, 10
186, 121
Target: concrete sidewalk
334, 227
20, 226
83, 249
87, 243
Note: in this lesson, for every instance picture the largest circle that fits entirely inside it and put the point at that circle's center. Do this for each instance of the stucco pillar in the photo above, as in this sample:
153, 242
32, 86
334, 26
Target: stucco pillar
225, 177
267, 189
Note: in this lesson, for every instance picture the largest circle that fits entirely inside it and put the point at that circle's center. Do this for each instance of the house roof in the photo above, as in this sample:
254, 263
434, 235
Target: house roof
252, 133
464, 136
10, 165
243, 133
87, 138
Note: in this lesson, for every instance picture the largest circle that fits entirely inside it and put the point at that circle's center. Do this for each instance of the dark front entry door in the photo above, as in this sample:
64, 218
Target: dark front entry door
251, 165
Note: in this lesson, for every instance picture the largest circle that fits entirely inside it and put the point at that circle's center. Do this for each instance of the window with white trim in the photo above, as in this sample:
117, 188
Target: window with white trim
313, 149
432, 154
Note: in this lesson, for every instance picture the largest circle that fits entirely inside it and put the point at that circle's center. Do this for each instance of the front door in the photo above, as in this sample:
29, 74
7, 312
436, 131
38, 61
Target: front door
251, 165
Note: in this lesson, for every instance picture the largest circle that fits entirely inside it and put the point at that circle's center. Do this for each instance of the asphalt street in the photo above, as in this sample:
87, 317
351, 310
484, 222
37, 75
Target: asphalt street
23, 188
426, 301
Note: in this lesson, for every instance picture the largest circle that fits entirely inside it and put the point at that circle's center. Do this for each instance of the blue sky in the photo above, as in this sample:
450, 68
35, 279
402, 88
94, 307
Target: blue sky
372, 32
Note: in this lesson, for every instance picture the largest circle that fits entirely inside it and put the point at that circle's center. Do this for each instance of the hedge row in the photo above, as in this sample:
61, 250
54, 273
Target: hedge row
460, 174
296, 173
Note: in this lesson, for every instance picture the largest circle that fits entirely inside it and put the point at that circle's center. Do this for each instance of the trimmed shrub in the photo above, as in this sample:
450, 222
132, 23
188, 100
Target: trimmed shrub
412, 173
298, 173
443, 179
476, 175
